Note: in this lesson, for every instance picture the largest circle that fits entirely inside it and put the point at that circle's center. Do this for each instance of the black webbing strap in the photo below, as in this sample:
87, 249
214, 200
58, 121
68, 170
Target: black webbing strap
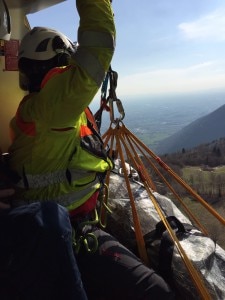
166, 247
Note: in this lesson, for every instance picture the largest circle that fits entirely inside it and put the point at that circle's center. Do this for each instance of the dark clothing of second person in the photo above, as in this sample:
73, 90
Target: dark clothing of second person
115, 273
36, 255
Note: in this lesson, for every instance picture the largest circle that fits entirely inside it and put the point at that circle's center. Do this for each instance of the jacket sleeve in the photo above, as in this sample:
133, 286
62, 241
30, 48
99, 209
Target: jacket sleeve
96, 31
66, 95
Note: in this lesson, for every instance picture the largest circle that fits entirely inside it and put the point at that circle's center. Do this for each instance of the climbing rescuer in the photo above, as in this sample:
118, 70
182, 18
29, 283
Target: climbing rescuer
36, 253
58, 154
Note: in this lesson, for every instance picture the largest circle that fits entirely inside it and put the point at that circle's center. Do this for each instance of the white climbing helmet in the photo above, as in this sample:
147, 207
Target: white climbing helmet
42, 43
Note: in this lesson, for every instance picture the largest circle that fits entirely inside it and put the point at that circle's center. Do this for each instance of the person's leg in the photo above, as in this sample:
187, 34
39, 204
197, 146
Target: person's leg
116, 273
36, 257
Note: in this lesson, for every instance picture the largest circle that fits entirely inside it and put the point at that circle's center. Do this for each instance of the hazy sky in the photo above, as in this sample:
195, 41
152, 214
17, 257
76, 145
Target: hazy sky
163, 46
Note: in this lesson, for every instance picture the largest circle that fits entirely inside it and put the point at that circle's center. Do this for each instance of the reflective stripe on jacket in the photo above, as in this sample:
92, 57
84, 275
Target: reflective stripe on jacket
55, 148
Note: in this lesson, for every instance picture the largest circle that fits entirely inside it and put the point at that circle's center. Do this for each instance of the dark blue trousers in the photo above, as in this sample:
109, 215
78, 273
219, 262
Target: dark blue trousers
36, 256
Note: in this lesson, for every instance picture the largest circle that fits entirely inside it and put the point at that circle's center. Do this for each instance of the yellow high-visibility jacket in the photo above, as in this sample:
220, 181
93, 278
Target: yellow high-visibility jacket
54, 150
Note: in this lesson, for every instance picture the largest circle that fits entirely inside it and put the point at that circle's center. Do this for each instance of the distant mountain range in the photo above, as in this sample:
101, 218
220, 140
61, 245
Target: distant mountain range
203, 130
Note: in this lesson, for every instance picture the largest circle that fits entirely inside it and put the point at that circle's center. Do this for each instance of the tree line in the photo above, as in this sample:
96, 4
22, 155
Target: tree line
206, 182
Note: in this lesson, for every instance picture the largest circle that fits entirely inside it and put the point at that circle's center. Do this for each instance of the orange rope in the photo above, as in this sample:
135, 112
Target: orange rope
124, 141
137, 226
179, 180
186, 209
196, 277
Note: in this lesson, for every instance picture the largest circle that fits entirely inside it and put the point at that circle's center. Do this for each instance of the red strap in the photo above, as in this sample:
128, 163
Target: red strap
28, 128
52, 73
84, 131
85, 208
91, 118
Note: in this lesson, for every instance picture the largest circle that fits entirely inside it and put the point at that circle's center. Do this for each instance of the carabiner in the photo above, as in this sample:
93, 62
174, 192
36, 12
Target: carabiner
86, 242
104, 208
119, 108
